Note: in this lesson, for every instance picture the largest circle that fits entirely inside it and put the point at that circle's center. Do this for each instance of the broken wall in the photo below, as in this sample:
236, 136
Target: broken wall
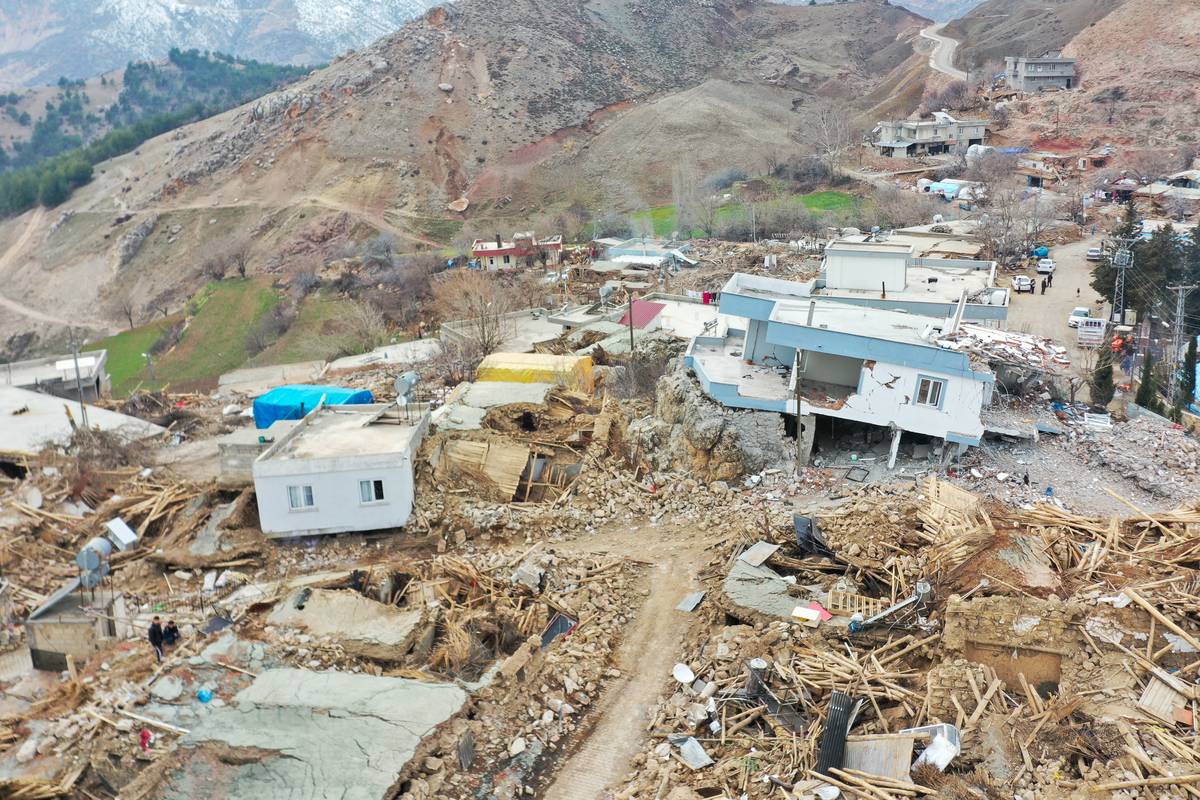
690, 432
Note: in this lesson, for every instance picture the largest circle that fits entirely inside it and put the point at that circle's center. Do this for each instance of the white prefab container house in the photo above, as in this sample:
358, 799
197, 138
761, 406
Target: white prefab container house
343, 468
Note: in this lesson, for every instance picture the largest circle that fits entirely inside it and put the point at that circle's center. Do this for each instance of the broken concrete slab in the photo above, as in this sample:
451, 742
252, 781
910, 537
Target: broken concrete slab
759, 589
336, 735
362, 626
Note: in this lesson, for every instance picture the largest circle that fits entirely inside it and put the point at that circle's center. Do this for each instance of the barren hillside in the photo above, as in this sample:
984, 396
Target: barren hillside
998, 28
523, 107
1140, 86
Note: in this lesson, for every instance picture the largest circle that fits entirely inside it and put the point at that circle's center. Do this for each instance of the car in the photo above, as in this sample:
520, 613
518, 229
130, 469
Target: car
1046, 266
1023, 283
1094, 254
1077, 314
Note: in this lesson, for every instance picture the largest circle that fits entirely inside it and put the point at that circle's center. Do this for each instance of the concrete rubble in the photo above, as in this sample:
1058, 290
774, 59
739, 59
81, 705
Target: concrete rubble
1032, 637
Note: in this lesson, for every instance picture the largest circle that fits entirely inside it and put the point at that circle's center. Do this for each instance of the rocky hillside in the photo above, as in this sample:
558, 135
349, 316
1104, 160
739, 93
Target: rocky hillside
1140, 87
43, 40
525, 108
998, 28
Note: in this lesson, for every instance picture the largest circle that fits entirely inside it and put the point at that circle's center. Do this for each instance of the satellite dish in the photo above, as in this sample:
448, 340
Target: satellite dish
405, 384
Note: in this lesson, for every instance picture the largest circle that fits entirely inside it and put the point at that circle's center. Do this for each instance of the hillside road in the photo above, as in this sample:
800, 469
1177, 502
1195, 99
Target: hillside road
942, 58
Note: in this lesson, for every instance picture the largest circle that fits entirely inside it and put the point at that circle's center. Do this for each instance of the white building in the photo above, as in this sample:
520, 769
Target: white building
343, 468
906, 138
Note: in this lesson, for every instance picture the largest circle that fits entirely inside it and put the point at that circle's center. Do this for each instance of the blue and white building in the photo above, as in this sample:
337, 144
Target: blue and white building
788, 349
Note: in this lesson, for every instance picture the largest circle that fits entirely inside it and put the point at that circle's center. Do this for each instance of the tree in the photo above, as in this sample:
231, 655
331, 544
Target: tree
481, 302
1187, 381
1147, 393
829, 128
1100, 380
127, 310
238, 257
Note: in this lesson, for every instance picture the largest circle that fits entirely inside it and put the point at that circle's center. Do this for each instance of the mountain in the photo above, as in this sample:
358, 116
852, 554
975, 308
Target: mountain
995, 29
529, 109
43, 40
940, 10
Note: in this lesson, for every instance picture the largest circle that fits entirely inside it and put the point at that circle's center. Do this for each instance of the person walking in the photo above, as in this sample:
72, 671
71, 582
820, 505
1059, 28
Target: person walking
171, 634
1043, 285
156, 638
1050, 280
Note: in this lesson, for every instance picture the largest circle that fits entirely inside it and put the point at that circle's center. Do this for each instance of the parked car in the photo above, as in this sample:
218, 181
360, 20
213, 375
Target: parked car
1077, 314
1046, 266
1094, 254
1023, 283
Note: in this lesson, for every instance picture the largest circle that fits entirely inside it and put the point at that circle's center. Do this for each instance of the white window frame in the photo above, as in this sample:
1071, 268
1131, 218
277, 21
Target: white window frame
374, 488
304, 494
932, 400
508, 259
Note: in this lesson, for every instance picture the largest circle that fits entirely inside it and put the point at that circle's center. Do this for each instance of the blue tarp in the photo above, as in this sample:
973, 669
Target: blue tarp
293, 402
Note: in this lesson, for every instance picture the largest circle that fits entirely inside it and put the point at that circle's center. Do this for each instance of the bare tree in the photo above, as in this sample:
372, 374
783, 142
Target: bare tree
991, 169
892, 207
829, 128
127, 309
238, 257
483, 304
1153, 163
364, 328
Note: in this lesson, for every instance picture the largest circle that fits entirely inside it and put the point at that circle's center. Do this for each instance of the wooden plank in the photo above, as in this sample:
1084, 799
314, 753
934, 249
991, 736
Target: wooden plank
1160, 700
888, 755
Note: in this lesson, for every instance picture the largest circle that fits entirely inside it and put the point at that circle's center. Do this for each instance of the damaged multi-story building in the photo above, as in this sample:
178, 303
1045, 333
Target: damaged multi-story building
880, 339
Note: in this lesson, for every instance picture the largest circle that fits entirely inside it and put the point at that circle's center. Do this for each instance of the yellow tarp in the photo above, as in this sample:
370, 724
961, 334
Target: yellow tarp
572, 371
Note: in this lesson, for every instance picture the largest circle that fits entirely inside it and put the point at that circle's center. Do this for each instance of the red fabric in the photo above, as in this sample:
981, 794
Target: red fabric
145, 738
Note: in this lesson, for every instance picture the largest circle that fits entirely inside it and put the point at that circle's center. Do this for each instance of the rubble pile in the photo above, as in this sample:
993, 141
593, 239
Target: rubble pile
1158, 457
990, 683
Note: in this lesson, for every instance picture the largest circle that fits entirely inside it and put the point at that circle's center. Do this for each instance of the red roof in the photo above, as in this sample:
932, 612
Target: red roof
644, 312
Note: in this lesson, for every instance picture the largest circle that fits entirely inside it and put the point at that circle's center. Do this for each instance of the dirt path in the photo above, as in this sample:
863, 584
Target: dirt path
942, 58
11, 257
650, 649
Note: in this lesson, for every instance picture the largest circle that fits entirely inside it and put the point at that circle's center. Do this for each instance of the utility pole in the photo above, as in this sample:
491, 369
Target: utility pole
1122, 259
78, 380
630, 323
1181, 294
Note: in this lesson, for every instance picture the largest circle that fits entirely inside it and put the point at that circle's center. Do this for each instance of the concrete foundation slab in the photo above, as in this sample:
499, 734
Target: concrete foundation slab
337, 736
360, 625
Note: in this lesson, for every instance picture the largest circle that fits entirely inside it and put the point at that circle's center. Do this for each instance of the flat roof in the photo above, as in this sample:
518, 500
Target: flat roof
335, 431
932, 285
772, 288
31, 420
890, 246
874, 323
52, 368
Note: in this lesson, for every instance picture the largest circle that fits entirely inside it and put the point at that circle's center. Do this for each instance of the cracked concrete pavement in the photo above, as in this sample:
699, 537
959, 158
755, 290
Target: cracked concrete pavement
338, 736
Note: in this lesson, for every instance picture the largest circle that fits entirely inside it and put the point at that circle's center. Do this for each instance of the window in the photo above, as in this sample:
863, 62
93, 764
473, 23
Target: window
508, 259
300, 498
370, 491
929, 392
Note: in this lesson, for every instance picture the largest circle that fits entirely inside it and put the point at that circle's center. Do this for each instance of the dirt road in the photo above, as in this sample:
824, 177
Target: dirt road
1046, 315
12, 257
942, 58
650, 649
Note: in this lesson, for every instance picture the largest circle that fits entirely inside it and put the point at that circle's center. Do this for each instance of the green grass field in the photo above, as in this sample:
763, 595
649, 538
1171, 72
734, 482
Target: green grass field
215, 339
213, 343
664, 220
308, 339
126, 362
